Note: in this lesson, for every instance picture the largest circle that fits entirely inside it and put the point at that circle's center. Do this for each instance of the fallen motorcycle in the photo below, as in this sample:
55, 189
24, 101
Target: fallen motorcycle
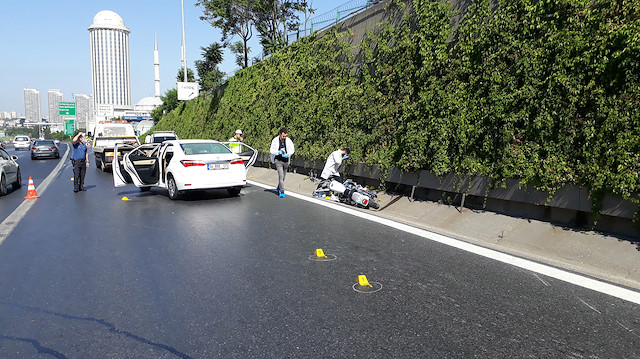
347, 192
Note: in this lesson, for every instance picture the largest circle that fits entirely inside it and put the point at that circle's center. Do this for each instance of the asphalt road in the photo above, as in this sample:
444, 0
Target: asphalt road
88, 275
38, 169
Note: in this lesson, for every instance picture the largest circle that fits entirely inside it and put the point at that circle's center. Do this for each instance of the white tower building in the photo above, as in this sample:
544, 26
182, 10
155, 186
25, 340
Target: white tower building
156, 66
110, 62
32, 110
53, 97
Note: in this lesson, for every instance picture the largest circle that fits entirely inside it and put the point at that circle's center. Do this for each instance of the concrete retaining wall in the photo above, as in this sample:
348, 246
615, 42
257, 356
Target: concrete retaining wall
570, 205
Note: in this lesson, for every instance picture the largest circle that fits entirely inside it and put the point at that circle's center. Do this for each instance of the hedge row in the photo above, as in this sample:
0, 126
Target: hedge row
547, 92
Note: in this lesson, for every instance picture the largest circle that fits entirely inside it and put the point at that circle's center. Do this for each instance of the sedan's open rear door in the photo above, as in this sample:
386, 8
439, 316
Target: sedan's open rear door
120, 177
247, 153
140, 165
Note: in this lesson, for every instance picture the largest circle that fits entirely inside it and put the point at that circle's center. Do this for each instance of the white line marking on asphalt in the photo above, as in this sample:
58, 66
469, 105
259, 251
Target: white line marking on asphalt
9, 224
590, 306
540, 279
579, 280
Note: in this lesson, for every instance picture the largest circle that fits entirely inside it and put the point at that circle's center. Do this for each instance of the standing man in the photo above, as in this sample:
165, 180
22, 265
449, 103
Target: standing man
80, 161
281, 151
335, 159
237, 137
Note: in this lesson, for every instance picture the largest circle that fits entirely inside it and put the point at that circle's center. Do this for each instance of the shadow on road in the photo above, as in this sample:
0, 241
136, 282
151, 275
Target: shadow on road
111, 327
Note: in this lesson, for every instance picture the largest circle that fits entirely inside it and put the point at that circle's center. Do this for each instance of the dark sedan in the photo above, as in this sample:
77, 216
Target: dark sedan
44, 148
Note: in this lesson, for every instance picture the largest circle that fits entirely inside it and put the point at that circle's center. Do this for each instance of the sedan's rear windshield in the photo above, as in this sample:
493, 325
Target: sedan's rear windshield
22, 139
161, 139
44, 143
204, 148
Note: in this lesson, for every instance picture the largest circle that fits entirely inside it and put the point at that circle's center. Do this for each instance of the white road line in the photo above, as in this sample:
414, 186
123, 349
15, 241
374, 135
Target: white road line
9, 224
589, 305
580, 280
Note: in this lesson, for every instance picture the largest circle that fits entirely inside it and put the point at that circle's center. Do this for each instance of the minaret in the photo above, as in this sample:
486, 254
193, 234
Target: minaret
156, 66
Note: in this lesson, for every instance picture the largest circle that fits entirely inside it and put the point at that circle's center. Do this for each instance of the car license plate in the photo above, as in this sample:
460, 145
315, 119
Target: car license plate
218, 166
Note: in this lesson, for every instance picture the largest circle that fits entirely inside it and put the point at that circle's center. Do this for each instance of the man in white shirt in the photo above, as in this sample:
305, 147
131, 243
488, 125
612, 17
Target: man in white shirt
281, 150
333, 163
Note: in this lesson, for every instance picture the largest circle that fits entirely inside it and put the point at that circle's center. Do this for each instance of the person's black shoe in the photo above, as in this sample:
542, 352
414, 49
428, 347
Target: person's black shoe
75, 191
83, 189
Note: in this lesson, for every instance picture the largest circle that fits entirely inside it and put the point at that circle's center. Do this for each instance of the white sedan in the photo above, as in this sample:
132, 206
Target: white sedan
183, 165
9, 172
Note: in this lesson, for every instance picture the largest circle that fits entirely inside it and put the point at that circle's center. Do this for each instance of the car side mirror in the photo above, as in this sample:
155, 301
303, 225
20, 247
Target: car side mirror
14, 157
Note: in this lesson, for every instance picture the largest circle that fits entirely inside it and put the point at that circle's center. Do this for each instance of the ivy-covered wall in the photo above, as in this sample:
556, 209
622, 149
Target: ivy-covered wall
547, 92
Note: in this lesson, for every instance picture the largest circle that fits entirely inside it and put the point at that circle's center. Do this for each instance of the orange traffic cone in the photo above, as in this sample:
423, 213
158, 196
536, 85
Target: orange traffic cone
31, 193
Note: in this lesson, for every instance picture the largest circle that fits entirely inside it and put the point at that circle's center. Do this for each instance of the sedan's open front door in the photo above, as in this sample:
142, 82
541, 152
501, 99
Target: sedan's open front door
247, 153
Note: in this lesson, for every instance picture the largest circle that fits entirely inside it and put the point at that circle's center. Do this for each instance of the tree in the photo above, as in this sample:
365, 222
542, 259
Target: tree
274, 18
169, 103
238, 50
191, 77
234, 18
207, 68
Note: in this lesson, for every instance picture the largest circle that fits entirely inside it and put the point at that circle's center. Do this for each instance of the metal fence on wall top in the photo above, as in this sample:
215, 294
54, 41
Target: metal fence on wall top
332, 17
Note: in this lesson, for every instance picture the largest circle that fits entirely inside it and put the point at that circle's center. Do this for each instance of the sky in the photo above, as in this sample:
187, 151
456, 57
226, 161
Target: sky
44, 45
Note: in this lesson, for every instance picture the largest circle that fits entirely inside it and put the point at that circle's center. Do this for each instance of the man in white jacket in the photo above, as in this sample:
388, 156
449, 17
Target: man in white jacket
333, 163
281, 151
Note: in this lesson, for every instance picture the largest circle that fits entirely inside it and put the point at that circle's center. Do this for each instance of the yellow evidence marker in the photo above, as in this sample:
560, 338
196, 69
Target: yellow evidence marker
362, 280
126, 198
319, 253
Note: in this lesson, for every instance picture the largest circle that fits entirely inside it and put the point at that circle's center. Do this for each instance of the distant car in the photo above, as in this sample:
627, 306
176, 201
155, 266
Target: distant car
9, 172
160, 136
2, 145
21, 142
44, 148
182, 165
56, 141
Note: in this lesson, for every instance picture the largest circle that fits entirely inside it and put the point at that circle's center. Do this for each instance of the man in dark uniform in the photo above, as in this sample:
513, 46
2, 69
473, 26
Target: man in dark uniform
80, 161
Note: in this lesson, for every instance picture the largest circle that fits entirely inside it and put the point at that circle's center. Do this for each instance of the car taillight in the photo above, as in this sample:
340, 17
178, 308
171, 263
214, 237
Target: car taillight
188, 163
237, 162
33, 148
53, 148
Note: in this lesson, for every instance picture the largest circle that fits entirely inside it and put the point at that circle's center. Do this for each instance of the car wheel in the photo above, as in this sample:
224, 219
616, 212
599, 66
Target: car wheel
172, 187
3, 186
18, 183
234, 191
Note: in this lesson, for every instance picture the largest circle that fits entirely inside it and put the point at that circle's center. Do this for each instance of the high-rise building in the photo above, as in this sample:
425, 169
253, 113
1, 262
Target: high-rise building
32, 110
53, 97
109, 40
84, 110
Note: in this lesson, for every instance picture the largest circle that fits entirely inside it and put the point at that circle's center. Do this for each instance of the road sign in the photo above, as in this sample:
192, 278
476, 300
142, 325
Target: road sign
105, 111
69, 127
188, 90
67, 108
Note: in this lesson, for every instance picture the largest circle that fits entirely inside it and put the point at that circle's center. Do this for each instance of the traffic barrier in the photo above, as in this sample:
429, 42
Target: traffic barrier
31, 192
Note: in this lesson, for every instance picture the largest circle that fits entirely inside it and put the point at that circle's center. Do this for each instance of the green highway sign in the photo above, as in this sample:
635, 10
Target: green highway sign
67, 108
69, 127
